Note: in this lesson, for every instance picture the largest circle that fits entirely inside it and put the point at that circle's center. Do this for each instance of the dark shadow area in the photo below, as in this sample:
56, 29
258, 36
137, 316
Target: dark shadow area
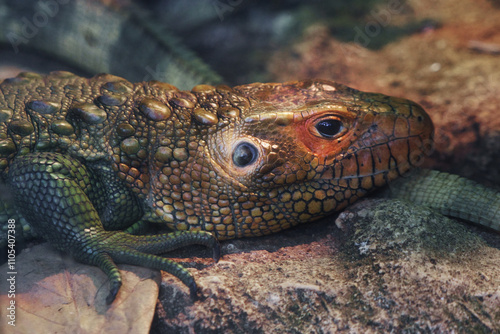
236, 38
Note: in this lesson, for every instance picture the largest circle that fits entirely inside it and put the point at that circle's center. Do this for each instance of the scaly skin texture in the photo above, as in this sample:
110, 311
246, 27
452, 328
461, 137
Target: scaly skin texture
450, 195
88, 158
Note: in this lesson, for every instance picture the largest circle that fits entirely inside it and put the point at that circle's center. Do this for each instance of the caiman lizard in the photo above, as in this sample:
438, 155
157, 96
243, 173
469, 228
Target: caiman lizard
88, 162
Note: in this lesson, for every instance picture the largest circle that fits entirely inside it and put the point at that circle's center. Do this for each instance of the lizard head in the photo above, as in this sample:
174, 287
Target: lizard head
277, 155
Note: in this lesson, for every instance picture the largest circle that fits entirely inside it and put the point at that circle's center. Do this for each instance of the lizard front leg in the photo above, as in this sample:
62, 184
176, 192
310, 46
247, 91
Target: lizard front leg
54, 193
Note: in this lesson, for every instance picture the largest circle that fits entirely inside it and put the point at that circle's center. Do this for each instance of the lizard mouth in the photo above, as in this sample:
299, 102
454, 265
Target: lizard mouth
379, 159
384, 146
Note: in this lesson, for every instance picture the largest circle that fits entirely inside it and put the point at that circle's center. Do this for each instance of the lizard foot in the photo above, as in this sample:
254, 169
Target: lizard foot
119, 247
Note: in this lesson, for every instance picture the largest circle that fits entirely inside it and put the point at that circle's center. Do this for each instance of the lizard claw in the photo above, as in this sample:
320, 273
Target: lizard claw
112, 293
193, 291
216, 251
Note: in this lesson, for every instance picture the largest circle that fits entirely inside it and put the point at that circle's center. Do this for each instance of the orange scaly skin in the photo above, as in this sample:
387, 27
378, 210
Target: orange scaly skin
88, 158
301, 175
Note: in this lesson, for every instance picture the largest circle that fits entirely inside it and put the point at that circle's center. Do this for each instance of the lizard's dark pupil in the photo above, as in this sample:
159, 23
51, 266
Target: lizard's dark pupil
329, 127
244, 154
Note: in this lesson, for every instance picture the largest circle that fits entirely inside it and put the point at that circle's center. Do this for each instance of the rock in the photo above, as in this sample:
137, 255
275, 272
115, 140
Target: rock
393, 267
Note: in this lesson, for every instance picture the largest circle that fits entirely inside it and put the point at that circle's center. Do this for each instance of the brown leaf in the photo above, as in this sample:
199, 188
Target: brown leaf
55, 294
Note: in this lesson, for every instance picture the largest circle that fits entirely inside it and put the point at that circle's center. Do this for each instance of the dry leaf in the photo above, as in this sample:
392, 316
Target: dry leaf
55, 294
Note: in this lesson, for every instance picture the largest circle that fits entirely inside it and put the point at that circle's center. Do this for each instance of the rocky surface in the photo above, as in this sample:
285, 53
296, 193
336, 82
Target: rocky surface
392, 267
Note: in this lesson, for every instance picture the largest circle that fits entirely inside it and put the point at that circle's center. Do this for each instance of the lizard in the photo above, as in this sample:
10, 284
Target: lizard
89, 162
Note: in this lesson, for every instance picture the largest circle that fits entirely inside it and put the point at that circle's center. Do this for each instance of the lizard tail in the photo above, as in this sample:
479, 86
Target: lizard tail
451, 195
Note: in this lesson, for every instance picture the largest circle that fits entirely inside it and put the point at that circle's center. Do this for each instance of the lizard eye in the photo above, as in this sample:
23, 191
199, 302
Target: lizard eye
244, 154
329, 128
